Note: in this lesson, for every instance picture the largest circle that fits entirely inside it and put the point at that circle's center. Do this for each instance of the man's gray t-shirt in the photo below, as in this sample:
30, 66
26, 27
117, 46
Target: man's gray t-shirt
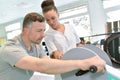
13, 51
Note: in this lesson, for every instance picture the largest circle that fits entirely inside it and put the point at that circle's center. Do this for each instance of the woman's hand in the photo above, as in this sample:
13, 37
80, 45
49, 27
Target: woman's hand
57, 55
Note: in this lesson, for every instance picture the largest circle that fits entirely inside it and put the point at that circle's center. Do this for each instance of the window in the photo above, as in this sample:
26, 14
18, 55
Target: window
79, 17
13, 30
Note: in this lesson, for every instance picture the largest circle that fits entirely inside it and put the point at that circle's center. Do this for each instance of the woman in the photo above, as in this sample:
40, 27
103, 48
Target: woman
60, 37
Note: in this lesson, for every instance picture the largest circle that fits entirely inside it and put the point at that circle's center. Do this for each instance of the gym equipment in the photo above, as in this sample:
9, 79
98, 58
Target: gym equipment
84, 52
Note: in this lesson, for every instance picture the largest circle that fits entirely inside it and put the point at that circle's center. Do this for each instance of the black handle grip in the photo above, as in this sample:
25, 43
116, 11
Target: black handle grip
81, 72
92, 69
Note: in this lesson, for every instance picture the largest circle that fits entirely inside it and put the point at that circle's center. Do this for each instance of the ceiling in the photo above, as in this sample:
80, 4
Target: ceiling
11, 10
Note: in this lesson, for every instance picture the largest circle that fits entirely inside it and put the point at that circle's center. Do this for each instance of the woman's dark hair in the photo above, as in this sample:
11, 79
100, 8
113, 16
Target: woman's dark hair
48, 5
32, 17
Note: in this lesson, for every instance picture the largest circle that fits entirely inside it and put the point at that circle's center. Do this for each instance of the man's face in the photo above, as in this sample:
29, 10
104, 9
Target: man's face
36, 32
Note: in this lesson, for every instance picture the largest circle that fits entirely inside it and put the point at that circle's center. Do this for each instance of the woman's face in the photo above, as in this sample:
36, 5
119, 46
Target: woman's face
52, 18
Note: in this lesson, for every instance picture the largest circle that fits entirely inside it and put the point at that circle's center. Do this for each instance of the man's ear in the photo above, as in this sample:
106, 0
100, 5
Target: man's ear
26, 30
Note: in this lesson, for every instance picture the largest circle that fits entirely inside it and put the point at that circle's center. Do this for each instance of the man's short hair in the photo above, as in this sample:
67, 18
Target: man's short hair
32, 17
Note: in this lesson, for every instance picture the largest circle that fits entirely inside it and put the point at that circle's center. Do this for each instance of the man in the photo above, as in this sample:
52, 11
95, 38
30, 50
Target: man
23, 55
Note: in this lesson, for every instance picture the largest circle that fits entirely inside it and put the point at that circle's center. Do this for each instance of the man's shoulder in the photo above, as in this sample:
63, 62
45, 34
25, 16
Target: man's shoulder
13, 41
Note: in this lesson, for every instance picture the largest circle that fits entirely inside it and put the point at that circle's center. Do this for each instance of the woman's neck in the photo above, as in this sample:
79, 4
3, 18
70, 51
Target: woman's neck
61, 28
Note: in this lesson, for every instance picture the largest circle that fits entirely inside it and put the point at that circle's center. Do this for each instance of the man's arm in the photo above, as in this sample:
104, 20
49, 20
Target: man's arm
54, 66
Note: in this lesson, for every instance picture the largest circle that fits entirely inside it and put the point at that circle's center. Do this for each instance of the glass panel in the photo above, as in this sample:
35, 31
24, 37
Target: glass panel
12, 34
12, 27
